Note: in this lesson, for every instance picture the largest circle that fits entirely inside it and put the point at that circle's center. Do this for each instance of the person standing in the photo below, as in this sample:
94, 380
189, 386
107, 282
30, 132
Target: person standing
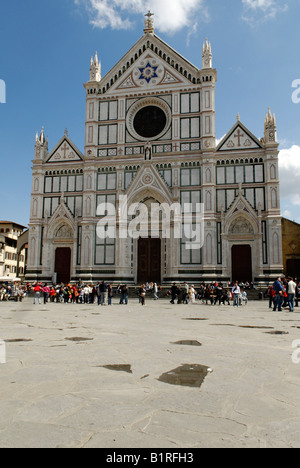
142, 294
155, 291
37, 293
278, 299
271, 295
186, 293
192, 294
124, 294
236, 291
291, 291
46, 291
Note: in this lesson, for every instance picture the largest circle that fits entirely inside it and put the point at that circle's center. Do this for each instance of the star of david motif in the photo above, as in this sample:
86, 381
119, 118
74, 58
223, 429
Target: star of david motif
148, 72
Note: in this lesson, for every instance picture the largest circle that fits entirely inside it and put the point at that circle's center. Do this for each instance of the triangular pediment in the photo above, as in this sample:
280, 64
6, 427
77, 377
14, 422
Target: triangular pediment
65, 151
241, 208
149, 63
63, 219
239, 138
148, 180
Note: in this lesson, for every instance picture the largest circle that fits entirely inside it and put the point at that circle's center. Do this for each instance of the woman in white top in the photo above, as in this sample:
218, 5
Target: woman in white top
236, 291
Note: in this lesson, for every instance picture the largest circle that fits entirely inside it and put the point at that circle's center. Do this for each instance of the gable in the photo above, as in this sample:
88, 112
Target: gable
65, 151
150, 62
149, 181
149, 72
239, 138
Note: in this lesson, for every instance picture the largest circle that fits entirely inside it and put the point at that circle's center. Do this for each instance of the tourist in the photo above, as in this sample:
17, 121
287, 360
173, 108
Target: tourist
124, 294
278, 298
86, 294
297, 297
186, 293
174, 291
46, 292
104, 293
52, 294
155, 291
244, 297
227, 296
99, 294
271, 295
236, 291
291, 291
180, 294
110, 294
192, 294
218, 293
142, 294
37, 293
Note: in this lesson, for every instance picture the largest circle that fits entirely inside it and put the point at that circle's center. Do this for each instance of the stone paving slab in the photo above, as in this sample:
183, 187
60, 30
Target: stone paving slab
56, 392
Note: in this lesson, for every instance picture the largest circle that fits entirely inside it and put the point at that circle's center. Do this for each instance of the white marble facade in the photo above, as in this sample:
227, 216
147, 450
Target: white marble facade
173, 159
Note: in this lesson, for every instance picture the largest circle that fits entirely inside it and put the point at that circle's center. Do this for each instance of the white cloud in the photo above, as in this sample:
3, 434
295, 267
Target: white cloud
289, 175
258, 11
170, 15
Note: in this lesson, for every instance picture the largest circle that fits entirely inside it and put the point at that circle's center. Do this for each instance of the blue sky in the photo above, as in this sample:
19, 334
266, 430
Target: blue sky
45, 54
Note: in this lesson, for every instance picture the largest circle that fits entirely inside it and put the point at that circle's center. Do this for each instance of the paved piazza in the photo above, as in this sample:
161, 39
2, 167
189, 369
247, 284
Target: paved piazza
84, 376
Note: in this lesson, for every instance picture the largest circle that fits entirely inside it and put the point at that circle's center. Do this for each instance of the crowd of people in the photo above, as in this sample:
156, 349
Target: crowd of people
283, 294
13, 291
213, 293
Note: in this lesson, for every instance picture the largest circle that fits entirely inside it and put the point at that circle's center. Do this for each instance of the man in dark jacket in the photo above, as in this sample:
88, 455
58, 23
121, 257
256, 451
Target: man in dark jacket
278, 299
174, 291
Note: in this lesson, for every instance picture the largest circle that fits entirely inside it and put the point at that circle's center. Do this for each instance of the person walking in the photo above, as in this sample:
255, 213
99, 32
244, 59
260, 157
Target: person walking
291, 291
278, 299
174, 291
236, 291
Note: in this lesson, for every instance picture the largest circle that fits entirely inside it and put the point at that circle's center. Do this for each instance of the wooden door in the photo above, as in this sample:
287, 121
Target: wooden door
63, 265
242, 263
149, 260
293, 268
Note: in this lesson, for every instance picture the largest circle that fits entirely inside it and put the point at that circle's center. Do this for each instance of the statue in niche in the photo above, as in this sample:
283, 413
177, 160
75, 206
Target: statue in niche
148, 152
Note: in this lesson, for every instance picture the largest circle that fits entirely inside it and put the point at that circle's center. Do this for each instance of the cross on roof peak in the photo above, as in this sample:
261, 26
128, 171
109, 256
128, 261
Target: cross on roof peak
149, 22
149, 14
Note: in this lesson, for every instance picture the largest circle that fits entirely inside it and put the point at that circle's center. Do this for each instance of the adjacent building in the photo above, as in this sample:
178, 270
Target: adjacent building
291, 248
12, 260
150, 136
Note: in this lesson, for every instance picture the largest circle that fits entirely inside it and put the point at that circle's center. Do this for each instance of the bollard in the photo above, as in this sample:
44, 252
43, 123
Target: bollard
2, 352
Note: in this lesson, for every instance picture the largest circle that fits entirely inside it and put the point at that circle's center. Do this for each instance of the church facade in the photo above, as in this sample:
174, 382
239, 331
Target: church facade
150, 139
